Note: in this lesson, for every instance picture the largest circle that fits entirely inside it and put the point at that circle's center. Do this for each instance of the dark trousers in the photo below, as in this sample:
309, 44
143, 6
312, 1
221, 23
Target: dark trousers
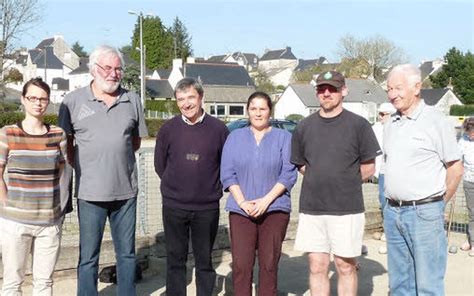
265, 235
202, 226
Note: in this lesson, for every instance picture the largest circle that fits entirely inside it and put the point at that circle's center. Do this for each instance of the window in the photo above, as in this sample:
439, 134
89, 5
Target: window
236, 110
220, 110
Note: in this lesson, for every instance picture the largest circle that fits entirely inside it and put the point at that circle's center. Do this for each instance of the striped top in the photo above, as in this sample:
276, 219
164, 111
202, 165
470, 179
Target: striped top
33, 164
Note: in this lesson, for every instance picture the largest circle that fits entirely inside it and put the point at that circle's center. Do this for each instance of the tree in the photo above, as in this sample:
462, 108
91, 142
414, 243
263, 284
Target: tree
131, 75
371, 56
182, 40
79, 49
17, 17
263, 83
459, 68
13, 76
307, 75
158, 43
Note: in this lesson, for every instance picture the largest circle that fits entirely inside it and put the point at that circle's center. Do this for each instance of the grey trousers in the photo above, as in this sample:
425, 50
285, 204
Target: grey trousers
469, 193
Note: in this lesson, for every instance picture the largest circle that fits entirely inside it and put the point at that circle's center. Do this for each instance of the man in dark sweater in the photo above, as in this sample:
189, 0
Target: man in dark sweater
187, 159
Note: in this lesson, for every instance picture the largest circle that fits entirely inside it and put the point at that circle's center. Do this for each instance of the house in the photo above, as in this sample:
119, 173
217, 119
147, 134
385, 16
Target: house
61, 50
277, 59
429, 68
278, 65
363, 98
227, 86
304, 65
45, 64
441, 98
248, 60
80, 76
59, 88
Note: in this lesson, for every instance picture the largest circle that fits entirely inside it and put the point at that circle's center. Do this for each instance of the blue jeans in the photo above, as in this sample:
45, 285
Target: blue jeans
417, 249
122, 219
382, 198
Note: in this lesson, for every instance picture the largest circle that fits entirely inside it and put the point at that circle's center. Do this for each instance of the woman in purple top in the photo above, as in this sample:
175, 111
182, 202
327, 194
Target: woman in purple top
256, 169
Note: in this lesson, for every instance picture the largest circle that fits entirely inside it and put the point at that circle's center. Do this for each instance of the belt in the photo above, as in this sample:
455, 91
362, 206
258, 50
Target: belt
403, 203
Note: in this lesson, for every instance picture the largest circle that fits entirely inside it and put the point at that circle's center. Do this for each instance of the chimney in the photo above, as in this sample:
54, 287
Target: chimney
177, 63
450, 84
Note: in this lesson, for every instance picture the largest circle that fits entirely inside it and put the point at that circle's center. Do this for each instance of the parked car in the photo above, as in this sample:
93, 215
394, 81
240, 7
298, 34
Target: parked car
278, 123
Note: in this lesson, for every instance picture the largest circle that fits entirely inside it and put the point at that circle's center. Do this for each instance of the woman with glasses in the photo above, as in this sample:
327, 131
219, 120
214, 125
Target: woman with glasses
33, 199
466, 145
256, 169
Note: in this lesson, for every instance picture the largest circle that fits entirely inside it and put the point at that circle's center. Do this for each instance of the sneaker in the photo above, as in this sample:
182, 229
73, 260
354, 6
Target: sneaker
383, 249
471, 252
382, 238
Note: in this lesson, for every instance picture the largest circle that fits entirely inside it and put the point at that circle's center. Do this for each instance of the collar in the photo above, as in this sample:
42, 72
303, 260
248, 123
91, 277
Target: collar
414, 114
199, 120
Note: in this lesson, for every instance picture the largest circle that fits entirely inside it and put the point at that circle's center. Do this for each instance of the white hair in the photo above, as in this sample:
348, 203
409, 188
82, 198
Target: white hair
101, 51
411, 72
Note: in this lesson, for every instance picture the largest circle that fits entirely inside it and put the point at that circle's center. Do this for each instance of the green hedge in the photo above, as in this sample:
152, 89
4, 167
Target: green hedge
7, 118
154, 126
462, 110
162, 106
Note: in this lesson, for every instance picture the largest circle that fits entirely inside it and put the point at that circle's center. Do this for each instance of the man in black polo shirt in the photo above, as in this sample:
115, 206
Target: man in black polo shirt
335, 149
187, 159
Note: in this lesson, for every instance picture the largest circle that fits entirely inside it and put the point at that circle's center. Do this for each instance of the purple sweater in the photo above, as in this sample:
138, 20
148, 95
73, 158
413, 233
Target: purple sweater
257, 168
187, 159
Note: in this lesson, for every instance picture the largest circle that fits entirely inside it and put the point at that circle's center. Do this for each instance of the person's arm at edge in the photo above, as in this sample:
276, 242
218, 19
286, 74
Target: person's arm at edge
454, 172
367, 169
3, 186
136, 143
161, 152
70, 150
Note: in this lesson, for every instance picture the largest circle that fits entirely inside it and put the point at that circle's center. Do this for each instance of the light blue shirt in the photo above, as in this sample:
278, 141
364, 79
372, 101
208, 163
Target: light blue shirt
257, 168
417, 148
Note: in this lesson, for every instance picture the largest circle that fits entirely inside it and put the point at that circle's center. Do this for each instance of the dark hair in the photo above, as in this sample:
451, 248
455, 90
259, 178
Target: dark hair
260, 95
38, 82
188, 82
468, 124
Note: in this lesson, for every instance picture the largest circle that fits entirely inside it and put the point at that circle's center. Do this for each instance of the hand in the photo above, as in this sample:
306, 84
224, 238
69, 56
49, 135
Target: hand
247, 206
260, 206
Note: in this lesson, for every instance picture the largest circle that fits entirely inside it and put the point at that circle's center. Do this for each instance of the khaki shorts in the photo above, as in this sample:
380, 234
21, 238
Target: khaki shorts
339, 235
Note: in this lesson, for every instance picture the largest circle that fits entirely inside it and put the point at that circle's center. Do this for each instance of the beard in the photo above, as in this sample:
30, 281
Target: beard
108, 87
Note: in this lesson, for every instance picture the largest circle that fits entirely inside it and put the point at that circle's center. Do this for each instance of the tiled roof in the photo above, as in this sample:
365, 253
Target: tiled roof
83, 67
278, 54
63, 84
218, 74
45, 42
38, 58
432, 96
158, 88
359, 90
227, 94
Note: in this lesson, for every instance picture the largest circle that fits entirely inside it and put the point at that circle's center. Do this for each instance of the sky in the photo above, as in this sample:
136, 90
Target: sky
424, 29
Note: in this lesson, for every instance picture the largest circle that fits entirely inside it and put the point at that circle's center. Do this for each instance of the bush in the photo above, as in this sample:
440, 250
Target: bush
461, 110
154, 126
7, 118
162, 106
295, 117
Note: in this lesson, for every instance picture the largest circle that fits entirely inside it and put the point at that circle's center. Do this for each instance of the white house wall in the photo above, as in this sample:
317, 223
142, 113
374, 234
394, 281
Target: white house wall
290, 103
445, 103
79, 80
368, 110
282, 78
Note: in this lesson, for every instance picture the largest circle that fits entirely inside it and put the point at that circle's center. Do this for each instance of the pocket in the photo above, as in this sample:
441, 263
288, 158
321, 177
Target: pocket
431, 212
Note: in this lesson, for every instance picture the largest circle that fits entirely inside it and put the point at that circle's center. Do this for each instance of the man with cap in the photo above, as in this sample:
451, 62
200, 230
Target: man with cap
335, 150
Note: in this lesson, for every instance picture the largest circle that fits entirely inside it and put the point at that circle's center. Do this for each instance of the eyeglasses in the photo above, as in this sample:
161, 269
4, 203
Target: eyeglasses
108, 69
34, 99
322, 89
